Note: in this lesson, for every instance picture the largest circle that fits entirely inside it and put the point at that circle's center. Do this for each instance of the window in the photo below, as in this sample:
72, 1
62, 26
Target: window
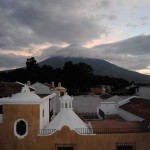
51, 113
66, 105
125, 146
49, 110
62, 105
1, 109
43, 112
69, 105
20, 128
65, 147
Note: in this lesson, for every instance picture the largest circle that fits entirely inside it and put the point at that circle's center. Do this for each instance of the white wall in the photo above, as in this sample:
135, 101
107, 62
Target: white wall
108, 108
128, 116
56, 103
144, 92
44, 120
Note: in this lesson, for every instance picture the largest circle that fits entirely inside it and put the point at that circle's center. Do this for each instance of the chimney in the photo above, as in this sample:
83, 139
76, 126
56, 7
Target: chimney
28, 83
59, 84
52, 84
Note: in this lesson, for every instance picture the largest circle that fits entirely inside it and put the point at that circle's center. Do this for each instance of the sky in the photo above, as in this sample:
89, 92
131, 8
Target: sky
114, 30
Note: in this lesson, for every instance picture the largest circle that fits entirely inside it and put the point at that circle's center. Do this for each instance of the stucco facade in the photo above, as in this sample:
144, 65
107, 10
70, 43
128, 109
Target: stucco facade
26, 125
35, 141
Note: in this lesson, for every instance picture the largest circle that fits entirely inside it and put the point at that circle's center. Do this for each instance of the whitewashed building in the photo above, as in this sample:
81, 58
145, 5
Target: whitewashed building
143, 92
66, 116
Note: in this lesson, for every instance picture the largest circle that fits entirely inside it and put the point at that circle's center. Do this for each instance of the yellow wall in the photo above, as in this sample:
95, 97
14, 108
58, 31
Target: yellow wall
8, 141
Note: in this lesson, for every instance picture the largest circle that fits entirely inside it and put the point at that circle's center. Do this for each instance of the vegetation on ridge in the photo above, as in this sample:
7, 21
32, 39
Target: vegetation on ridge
74, 77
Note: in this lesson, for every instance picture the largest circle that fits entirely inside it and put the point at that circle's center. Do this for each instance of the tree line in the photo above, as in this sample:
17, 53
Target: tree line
78, 77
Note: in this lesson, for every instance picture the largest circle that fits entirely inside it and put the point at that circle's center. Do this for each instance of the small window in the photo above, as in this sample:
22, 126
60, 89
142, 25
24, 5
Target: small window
125, 146
20, 128
43, 112
69, 105
1, 109
65, 105
61, 94
65, 147
62, 105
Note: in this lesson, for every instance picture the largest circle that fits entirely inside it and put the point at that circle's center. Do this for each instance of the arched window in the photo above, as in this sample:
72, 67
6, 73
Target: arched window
69, 105
43, 112
65, 105
20, 128
62, 105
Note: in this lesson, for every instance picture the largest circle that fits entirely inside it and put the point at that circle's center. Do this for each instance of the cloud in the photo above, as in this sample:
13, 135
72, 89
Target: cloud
112, 17
26, 22
48, 52
41, 28
138, 45
8, 61
127, 53
131, 25
122, 53
145, 18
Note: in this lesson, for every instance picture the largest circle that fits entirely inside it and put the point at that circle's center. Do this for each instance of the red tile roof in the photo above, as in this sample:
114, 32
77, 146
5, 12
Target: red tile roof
139, 107
115, 124
9, 88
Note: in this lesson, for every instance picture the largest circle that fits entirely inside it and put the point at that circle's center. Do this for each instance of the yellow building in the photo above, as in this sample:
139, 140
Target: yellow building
25, 125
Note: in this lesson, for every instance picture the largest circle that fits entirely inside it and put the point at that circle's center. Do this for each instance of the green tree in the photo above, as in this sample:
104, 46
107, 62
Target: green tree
31, 63
32, 69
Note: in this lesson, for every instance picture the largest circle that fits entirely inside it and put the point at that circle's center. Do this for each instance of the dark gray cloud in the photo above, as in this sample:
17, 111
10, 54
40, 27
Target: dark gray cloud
139, 45
145, 18
35, 21
112, 17
106, 3
131, 25
12, 61
27, 22
132, 53
48, 52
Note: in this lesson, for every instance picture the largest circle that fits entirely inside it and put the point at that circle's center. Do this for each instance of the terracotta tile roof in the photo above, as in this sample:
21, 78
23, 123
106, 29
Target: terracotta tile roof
105, 96
139, 107
9, 88
115, 124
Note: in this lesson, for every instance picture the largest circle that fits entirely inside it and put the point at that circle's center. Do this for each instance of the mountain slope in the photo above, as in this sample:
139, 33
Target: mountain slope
101, 67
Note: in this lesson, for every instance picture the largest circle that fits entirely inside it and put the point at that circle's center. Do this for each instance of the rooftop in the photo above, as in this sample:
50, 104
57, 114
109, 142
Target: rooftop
7, 89
115, 124
139, 107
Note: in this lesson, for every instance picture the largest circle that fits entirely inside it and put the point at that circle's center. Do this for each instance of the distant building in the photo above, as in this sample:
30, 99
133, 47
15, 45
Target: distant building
28, 122
7, 89
100, 89
143, 91
60, 89
41, 89
109, 106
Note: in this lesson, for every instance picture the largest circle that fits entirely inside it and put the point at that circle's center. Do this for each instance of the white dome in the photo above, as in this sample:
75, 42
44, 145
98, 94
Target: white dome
66, 117
65, 97
25, 95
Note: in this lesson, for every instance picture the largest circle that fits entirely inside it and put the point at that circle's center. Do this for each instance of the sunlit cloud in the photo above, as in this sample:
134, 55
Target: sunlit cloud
114, 36
36, 49
41, 29
144, 71
16, 52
